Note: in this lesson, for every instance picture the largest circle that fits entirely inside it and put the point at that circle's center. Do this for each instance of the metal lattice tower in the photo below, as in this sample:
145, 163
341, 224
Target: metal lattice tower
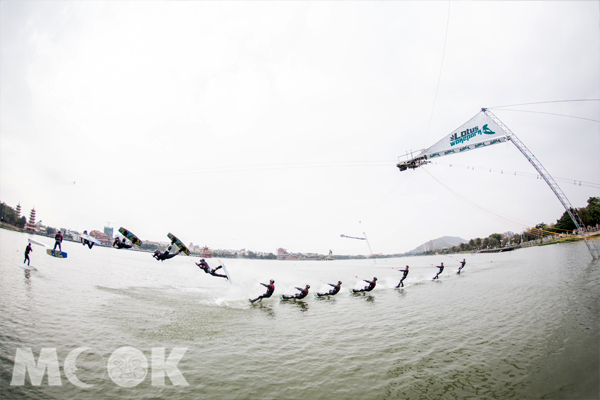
549, 180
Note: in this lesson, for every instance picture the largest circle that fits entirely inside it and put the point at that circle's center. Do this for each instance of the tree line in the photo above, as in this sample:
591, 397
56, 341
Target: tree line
9, 216
589, 215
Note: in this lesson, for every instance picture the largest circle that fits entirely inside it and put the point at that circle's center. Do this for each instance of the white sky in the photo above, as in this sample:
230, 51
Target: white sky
261, 125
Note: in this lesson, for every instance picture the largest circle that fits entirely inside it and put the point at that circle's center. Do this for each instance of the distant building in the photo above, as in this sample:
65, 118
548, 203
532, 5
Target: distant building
108, 231
102, 237
31, 223
282, 254
205, 252
428, 246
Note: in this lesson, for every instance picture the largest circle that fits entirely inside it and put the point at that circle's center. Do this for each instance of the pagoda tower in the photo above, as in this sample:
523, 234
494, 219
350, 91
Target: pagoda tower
19, 211
205, 252
31, 222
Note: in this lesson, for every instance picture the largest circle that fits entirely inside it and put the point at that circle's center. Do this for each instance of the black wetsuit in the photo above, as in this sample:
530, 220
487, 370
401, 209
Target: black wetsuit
121, 244
85, 241
28, 249
165, 255
203, 265
462, 265
368, 288
401, 284
301, 295
441, 267
57, 241
270, 289
335, 290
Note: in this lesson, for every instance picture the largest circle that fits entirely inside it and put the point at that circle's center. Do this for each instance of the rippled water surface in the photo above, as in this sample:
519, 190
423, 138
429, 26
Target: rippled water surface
523, 324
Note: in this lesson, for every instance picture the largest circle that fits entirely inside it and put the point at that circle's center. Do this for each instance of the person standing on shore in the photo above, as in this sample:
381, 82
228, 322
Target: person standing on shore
401, 284
270, 289
441, 267
58, 238
28, 250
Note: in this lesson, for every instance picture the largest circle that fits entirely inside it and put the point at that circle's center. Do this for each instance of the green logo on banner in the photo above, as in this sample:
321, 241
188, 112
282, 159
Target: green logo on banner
487, 130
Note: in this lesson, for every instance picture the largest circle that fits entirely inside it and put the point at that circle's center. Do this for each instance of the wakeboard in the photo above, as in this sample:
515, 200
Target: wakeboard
179, 244
56, 253
225, 270
27, 267
91, 239
134, 239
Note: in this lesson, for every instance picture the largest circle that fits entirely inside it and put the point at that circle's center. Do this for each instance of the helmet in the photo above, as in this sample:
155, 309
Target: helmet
308, 286
202, 259
339, 282
374, 279
272, 281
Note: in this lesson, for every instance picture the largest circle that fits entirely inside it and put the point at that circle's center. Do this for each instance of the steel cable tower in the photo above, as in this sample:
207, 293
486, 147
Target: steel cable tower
549, 180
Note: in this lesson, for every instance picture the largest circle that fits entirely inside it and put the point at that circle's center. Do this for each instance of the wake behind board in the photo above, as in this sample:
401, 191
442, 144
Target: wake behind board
179, 244
56, 253
36, 242
226, 272
91, 239
134, 239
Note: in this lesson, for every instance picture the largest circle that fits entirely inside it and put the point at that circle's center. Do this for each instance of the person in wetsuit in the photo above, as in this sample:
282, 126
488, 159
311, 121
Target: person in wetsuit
441, 267
405, 271
301, 295
28, 250
270, 289
335, 290
368, 288
204, 266
58, 238
165, 255
122, 244
85, 241
462, 265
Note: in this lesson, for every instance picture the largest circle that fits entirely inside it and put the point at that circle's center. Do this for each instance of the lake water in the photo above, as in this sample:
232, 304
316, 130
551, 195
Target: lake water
516, 325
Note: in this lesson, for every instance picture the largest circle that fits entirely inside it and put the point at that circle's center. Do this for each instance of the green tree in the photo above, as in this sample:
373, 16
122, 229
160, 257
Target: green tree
8, 214
21, 222
50, 231
494, 243
593, 210
565, 223
496, 236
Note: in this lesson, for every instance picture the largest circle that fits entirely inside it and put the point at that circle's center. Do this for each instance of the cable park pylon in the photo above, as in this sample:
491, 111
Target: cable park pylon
483, 130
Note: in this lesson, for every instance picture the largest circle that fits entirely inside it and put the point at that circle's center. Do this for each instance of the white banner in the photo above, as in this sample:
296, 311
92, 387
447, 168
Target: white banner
479, 131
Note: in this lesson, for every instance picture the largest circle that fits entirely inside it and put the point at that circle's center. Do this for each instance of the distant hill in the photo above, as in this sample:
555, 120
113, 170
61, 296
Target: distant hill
439, 243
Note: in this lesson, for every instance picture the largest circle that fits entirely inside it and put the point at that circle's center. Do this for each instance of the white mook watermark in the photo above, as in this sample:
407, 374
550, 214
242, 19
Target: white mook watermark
126, 366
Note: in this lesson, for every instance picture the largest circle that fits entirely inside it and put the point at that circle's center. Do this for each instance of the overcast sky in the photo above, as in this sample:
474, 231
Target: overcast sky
261, 125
